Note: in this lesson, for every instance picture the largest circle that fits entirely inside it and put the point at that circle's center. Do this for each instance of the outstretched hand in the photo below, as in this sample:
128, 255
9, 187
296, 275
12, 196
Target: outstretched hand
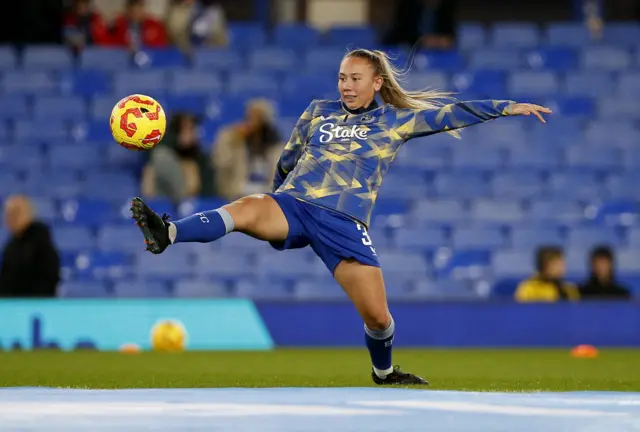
528, 109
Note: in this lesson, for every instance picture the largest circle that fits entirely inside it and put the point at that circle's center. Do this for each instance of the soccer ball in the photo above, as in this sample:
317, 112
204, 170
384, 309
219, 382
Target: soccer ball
138, 122
168, 336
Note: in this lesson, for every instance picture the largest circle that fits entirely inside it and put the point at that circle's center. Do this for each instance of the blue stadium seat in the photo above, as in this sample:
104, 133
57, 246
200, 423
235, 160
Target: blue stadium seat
575, 185
217, 59
301, 89
41, 130
477, 158
599, 133
122, 238
324, 59
16, 157
498, 211
429, 152
616, 212
625, 34
39, 58
112, 59
173, 264
445, 210
194, 82
576, 261
261, 289
14, 107
518, 35
160, 58
350, 36
422, 80
620, 108
629, 83
505, 134
246, 35
421, 239
438, 60
532, 237
319, 289
596, 158
151, 82
253, 84
8, 58
445, 289
552, 58
517, 185
567, 34
462, 184
403, 186
200, 289
540, 157
560, 210
491, 58
273, 59
485, 83
88, 212
85, 83
83, 289
44, 208
478, 237
224, 264
589, 83
462, 264
141, 289
73, 238
577, 106
587, 237
518, 263
58, 184
65, 108
624, 186
627, 261
22, 82
471, 36
533, 83
298, 36
606, 58
117, 157
111, 186
102, 266
290, 265
633, 238
404, 264
73, 156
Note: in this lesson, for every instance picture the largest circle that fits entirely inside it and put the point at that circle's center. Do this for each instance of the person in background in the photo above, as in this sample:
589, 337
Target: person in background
194, 23
247, 151
432, 23
547, 284
136, 29
84, 26
178, 168
30, 261
602, 282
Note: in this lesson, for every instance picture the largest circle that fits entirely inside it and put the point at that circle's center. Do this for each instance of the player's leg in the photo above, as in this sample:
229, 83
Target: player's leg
364, 285
259, 216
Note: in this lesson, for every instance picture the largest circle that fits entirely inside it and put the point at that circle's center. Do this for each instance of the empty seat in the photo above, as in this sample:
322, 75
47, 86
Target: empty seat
587, 237
200, 289
605, 58
552, 58
195, 82
471, 36
46, 58
125, 238
264, 289
556, 210
478, 237
141, 289
217, 59
463, 184
73, 238
102, 265
319, 289
28, 83
491, 58
518, 35
83, 289
350, 36
405, 264
574, 34
513, 263
445, 210
517, 185
173, 264
273, 59
296, 36
224, 264
533, 237
145, 82
88, 212
421, 239
445, 289
497, 211
533, 83
246, 35
104, 58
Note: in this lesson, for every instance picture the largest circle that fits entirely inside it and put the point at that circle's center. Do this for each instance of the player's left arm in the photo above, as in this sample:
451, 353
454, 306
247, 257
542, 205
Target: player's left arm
463, 114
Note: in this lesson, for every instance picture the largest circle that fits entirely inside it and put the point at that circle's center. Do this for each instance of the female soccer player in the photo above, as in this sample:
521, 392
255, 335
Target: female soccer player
326, 184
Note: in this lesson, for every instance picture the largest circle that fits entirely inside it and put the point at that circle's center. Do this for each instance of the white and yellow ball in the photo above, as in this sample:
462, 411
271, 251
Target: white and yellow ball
168, 336
138, 122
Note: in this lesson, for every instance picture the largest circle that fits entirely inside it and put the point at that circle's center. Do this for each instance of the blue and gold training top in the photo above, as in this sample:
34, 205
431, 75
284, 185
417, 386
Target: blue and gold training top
337, 158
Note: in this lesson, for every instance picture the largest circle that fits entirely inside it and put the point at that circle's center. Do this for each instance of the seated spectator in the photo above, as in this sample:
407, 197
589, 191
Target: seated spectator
136, 29
602, 283
178, 168
247, 151
84, 26
547, 284
194, 23
30, 262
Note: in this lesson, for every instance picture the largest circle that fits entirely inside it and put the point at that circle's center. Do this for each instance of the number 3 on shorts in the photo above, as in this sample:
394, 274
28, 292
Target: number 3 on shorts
366, 240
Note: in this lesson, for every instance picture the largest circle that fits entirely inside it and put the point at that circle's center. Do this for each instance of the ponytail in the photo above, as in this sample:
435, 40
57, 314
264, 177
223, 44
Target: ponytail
392, 91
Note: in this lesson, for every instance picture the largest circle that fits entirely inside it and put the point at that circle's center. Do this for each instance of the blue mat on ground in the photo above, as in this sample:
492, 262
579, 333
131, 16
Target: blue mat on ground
314, 410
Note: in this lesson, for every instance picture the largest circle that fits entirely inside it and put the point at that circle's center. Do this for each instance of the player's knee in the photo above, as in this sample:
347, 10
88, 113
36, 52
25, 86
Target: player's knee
245, 212
377, 321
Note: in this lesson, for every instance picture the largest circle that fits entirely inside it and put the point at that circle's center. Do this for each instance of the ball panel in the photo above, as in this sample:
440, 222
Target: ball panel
138, 122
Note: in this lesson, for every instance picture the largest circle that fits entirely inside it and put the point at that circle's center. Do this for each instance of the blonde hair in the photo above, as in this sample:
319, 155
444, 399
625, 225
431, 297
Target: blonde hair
392, 91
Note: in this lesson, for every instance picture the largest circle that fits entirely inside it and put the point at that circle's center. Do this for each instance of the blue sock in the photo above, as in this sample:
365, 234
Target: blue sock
379, 343
202, 227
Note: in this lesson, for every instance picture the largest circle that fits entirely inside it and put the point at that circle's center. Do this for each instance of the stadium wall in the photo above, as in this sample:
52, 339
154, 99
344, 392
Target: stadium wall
238, 324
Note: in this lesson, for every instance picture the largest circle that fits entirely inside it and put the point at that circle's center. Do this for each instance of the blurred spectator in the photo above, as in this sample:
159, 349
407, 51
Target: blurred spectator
432, 22
547, 285
136, 29
178, 168
30, 262
84, 26
192, 23
602, 282
248, 149
593, 17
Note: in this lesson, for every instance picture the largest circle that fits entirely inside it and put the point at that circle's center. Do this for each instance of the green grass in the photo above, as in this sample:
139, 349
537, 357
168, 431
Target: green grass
472, 370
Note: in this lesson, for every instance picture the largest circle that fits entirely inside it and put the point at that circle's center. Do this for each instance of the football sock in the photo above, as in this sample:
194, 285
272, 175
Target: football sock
202, 227
379, 343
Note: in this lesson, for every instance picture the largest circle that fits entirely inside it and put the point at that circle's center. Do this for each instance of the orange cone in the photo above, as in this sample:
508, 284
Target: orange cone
584, 351
130, 349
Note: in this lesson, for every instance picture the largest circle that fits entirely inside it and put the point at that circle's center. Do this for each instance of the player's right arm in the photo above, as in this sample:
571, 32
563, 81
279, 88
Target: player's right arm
293, 150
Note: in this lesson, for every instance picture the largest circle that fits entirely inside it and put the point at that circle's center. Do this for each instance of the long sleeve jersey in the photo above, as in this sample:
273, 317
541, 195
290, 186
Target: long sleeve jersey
337, 159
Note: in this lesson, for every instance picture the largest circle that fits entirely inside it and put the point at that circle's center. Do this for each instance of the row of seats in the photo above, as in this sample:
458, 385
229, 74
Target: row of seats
281, 58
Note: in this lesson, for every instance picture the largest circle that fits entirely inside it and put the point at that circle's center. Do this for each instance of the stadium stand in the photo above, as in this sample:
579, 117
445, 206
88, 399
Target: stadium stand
453, 216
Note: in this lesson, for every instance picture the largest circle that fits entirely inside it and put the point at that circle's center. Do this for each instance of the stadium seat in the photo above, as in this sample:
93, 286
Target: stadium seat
445, 289
73, 238
102, 265
588, 237
497, 211
41, 58
421, 239
478, 237
14, 82
471, 36
111, 59
607, 58
516, 35
83, 289
567, 34
194, 82
200, 289
142, 289
171, 265
297, 36
224, 264
513, 263
531, 238
319, 289
518, 185
207, 59
261, 289
462, 185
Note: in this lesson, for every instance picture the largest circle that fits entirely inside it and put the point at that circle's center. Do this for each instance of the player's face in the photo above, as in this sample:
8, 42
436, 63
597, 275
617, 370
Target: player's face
556, 268
357, 82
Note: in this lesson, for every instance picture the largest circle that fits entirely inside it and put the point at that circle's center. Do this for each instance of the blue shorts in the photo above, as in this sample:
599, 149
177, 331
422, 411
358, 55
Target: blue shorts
332, 236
